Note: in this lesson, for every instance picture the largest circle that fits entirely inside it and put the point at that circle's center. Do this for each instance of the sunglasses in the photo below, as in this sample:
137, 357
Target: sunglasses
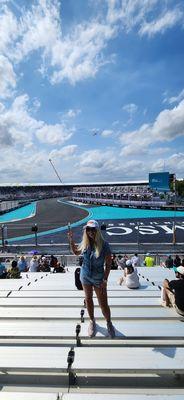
88, 229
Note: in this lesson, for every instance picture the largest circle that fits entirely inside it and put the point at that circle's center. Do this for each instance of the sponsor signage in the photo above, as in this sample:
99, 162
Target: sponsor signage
159, 181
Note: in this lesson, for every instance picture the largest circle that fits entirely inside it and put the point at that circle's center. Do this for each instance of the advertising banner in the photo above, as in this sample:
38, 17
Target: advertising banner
159, 181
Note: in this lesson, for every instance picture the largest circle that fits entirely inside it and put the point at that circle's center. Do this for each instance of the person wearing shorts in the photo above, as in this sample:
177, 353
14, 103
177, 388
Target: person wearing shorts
173, 291
96, 253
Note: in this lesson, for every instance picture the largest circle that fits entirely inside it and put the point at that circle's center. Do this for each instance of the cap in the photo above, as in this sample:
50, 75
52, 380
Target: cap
180, 269
92, 224
148, 254
128, 263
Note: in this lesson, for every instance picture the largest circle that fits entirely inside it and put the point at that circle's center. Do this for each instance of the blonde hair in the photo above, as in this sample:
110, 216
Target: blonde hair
98, 242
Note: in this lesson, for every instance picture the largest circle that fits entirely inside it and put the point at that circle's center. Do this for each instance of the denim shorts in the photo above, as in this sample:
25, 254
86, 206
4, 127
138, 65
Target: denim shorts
90, 280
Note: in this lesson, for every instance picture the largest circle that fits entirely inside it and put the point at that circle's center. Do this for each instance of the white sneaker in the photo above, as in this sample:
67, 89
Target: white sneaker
92, 329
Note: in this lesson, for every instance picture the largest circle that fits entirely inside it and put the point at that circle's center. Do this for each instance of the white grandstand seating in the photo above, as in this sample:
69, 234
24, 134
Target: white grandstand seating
38, 328
85, 396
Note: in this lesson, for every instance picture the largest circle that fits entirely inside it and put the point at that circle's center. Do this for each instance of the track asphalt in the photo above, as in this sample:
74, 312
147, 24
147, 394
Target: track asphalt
50, 215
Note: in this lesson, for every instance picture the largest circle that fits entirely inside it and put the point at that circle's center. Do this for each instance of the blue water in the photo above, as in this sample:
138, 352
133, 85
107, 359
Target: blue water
21, 213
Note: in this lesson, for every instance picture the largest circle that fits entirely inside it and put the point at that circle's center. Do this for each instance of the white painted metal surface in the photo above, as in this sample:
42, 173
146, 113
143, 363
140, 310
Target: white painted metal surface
3, 293
74, 313
119, 292
27, 396
126, 360
66, 329
117, 396
136, 314
58, 302
16, 358
159, 360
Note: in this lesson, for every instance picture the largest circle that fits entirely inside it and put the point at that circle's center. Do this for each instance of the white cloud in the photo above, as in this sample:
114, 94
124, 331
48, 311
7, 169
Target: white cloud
9, 30
73, 113
107, 133
21, 128
167, 127
79, 54
39, 28
18, 123
53, 134
7, 78
148, 16
170, 123
173, 99
130, 108
174, 163
94, 158
65, 152
161, 24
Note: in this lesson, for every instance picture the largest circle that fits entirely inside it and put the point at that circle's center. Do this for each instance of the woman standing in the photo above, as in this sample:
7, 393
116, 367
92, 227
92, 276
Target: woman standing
96, 252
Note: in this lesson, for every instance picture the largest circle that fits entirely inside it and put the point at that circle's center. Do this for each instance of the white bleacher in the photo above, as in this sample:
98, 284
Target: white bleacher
76, 294
30, 396
85, 396
71, 313
54, 302
38, 318
122, 360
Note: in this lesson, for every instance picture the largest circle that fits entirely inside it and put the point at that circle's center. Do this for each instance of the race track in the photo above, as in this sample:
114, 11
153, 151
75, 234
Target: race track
124, 226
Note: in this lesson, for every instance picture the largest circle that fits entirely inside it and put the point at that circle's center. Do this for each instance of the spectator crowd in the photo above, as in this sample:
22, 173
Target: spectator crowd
12, 269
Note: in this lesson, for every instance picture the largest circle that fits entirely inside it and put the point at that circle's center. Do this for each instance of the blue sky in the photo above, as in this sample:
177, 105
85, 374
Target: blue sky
97, 86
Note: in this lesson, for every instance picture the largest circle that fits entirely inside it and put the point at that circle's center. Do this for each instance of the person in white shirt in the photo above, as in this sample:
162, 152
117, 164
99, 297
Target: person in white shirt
33, 266
130, 278
136, 261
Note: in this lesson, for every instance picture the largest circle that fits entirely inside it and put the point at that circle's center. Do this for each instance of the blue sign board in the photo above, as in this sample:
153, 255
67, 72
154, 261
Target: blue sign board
159, 181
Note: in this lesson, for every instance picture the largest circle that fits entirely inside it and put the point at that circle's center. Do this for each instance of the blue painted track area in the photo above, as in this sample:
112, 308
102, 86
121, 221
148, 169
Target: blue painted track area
27, 211
106, 212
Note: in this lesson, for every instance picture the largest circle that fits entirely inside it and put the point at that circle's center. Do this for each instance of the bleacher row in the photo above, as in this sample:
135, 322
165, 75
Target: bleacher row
45, 351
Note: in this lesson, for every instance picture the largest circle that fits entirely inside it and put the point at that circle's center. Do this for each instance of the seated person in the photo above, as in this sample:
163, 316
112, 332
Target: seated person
22, 264
114, 264
136, 262
169, 262
44, 265
149, 261
13, 272
130, 277
3, 271
53, 261
177, 261
173, 291
122, 261
33, 265
59, 268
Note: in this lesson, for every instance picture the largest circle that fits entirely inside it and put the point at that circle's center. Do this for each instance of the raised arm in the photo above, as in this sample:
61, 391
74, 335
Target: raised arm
73, 245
